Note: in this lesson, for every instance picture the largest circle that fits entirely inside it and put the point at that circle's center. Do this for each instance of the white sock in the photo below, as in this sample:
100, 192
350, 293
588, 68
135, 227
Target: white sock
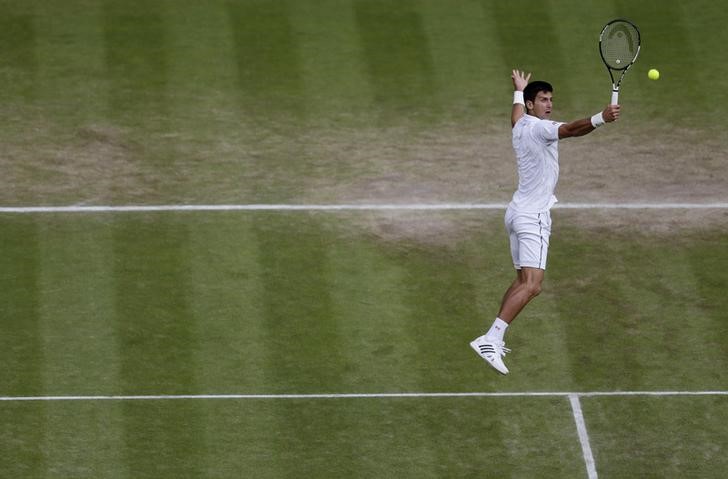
497, 330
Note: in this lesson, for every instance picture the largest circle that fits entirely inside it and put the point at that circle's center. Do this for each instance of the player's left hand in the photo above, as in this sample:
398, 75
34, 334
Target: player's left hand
520, 79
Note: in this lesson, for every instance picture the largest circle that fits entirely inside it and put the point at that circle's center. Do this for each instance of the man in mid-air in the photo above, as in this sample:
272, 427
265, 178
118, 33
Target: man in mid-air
528, 216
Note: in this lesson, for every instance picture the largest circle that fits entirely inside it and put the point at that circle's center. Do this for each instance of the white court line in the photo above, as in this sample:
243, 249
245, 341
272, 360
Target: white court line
253, 207
346, 207
364, 395
591, 467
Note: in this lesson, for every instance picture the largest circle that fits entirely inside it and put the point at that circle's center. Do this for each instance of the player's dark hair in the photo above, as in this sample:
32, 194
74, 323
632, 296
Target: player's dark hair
532, 89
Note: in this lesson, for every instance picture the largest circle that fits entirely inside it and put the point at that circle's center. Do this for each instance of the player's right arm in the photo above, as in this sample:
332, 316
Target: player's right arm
520, 80
586, 125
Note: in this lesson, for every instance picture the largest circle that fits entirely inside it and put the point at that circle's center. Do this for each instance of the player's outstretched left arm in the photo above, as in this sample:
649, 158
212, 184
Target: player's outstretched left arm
587, 125
520, 81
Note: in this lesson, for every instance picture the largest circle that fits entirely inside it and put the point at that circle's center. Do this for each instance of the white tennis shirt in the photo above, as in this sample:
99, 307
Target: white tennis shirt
536, 143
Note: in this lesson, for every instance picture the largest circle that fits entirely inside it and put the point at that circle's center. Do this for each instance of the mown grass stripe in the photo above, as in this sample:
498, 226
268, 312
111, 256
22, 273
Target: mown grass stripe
18, 56
136, 63
21, 348
155, 329
70, 55
333, 69
302, 336
80, 350
202, 80
465, 56
367, 296
267, 57
226, 301
397, 53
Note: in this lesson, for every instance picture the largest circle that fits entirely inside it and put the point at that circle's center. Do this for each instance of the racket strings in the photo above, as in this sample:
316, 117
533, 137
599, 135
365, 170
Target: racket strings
620, 45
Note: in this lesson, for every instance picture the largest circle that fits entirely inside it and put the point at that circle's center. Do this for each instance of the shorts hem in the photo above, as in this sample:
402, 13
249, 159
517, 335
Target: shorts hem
530, 265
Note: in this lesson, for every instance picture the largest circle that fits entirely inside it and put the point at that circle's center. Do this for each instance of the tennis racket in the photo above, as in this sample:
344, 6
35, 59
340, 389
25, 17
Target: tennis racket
619, 45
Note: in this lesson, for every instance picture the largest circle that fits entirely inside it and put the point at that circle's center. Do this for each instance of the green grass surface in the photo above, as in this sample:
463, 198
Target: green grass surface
658, 437
297, 438
199, 303
262, 101
170, 102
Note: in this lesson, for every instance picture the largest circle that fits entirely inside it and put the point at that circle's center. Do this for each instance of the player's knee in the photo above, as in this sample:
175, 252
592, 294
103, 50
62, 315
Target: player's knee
533, 288
530, 280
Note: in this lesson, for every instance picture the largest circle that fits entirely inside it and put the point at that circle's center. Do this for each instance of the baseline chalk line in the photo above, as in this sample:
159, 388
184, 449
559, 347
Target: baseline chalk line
158, 397
345, 207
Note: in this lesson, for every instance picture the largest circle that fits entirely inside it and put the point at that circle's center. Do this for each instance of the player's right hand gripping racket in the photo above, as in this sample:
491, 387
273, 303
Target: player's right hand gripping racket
619, 44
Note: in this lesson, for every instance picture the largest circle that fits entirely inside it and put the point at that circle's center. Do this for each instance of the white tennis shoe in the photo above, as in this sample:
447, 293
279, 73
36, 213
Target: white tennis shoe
492, 350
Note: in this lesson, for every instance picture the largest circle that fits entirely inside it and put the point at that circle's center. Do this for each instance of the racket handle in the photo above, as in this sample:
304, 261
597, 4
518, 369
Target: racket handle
615, 97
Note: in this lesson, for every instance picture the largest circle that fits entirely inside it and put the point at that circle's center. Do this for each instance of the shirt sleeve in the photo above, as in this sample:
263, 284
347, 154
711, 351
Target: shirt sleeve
547, 130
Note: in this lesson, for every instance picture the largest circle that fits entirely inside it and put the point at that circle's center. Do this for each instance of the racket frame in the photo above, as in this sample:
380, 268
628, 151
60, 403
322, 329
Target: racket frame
615, 86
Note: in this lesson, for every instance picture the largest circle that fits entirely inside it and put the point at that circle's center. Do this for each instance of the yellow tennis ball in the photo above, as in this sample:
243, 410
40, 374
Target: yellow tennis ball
653, 74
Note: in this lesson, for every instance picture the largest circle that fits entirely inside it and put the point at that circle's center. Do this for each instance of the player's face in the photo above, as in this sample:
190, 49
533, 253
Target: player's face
542, 105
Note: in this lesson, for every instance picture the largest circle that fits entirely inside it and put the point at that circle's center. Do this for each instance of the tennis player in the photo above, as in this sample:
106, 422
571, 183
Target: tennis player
528, 218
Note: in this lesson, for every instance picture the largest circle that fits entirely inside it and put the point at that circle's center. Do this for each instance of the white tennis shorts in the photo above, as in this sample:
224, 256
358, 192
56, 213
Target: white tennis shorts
529, 237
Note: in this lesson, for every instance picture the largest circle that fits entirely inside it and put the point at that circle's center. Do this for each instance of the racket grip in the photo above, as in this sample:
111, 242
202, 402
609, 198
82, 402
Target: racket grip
615, 97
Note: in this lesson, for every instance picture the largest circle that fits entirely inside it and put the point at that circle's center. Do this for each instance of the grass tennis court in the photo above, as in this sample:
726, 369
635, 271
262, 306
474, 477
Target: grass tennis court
310, 343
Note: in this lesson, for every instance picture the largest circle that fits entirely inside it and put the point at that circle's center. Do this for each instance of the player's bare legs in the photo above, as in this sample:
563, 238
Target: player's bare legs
525, 287
491, 346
